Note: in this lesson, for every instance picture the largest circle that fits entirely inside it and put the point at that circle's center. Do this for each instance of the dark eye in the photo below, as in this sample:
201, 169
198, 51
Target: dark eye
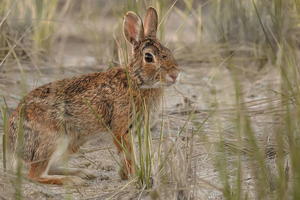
148, 57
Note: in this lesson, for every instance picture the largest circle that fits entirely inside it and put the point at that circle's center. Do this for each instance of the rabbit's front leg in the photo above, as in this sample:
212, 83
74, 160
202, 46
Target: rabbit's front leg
119, 128
123, 145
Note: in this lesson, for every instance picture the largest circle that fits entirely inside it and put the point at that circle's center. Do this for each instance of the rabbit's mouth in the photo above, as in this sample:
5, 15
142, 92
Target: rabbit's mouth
169, 84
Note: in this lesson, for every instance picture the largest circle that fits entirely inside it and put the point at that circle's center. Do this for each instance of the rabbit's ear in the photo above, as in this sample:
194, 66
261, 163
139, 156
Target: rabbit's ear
133, 28
151, 22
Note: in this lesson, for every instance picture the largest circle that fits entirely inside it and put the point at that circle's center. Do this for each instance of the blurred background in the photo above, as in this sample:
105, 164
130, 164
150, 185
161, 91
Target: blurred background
238, 98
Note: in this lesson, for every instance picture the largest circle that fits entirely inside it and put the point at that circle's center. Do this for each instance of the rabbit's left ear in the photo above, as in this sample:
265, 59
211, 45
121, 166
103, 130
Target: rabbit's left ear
133, 28
151, 22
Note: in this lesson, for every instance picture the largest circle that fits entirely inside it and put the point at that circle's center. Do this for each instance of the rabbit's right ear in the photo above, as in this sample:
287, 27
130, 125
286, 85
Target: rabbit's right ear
151, 22
133, 28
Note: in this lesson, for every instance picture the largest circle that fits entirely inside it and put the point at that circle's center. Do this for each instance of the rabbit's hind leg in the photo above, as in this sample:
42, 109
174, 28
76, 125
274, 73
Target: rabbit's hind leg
39, 171
81, 173
72, 148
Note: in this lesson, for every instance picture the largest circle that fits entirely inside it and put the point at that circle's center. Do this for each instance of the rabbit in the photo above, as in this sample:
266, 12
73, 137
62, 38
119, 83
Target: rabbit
56, 121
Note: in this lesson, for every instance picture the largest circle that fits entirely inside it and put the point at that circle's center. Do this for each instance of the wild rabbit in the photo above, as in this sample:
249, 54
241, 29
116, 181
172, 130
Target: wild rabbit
55, 120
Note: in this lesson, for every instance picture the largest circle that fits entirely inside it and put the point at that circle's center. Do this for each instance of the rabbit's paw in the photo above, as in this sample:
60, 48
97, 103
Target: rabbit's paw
86, 174
123, 174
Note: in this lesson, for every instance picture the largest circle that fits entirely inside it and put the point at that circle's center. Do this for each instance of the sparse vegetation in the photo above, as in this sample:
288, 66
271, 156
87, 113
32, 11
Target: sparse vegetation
229, 130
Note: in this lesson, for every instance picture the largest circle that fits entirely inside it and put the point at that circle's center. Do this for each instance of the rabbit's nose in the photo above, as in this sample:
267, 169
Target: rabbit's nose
173, 77
174, 73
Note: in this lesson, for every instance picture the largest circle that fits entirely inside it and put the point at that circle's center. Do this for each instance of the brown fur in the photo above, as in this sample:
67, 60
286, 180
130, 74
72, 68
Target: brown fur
55, 114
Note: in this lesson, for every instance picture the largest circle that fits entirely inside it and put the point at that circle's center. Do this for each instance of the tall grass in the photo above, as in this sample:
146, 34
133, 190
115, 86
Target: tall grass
4, 115
38, 16
44, 12
266, 25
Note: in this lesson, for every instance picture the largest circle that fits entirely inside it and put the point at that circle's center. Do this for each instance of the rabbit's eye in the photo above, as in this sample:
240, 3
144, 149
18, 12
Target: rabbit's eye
148, 57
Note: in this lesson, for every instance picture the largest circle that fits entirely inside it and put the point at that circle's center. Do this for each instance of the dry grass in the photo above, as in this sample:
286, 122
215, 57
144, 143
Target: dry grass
229, 130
